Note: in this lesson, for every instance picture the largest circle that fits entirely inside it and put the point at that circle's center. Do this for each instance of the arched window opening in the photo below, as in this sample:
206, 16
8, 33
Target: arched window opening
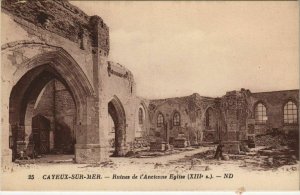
208, 118
176, 119
290, 113
141, 116
160, 120
260, 114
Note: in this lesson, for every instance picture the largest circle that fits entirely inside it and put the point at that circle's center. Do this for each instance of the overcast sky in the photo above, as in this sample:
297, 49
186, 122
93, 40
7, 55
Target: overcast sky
178, 48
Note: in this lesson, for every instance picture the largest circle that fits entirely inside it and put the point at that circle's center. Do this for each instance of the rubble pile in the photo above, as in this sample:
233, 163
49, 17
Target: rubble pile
140, 143
279, 161
278, 157
278, 140
209, 154
150, 154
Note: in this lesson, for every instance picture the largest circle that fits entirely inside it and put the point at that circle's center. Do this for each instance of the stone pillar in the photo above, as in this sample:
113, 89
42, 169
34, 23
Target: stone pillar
28, 121
6, 152
93, 146
232, 142
100, 80
87, 148
121, 147
229, 109
51, 140
103, 130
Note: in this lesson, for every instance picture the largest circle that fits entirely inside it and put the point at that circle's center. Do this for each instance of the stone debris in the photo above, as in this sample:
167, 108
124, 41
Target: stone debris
62, 161
263, 158
24, 162
130, 154
277, 140
200, 167
157, 165
225, 157
105, 164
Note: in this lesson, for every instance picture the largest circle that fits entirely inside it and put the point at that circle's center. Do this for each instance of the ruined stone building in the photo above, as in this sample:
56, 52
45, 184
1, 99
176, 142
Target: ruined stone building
236, 116
61, 94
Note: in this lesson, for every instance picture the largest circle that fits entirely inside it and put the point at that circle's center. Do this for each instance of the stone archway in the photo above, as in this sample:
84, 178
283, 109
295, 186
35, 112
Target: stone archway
117, 113
26, 82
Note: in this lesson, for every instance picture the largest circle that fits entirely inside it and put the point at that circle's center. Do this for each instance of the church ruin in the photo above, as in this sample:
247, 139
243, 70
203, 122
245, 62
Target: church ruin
61, 94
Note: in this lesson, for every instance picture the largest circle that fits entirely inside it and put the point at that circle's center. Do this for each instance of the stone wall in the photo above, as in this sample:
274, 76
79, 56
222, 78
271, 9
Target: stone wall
118, 83
44, 106
46, 40
192, 118
56, 104
63, 19
238, 114
274, 102
64, 109
232, 117
74, 46
58, 36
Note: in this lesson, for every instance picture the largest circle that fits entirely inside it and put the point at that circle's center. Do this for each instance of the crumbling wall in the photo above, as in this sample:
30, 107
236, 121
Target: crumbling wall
211, 130
192, 115
274, 102
61, 18
117, 82
168, 131
235, 111
142, 129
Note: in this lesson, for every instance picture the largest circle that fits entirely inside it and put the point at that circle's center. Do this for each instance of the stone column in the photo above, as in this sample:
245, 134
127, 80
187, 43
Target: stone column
229, 108
6, 152
120, 143
87, 149
103, 129
95, 147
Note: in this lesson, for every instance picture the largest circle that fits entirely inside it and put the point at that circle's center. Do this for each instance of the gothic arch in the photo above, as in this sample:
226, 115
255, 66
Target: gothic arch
175, 111
156, 120
289, 100
208, 118
117, 113
259, 117
259, 102
142, 106
208, 107
284, 103
34, 73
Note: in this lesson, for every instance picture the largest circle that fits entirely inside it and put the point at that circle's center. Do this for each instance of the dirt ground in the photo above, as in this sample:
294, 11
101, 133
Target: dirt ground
256, 171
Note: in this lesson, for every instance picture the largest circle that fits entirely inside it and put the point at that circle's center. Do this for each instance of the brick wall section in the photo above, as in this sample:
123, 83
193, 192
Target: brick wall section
64, 118
57, 105
45, 104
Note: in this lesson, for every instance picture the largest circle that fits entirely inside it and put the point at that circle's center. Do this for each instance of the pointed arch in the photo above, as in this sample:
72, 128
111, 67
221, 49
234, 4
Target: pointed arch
160, 119
34, 73
260, 112
176, 118
117, 112
290, 112
209, 115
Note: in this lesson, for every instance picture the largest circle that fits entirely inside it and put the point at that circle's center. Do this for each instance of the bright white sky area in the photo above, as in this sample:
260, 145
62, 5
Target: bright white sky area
179, 48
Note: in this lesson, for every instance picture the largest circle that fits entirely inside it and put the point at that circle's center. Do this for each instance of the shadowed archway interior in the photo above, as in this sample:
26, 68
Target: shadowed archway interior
117, 113
32, 134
